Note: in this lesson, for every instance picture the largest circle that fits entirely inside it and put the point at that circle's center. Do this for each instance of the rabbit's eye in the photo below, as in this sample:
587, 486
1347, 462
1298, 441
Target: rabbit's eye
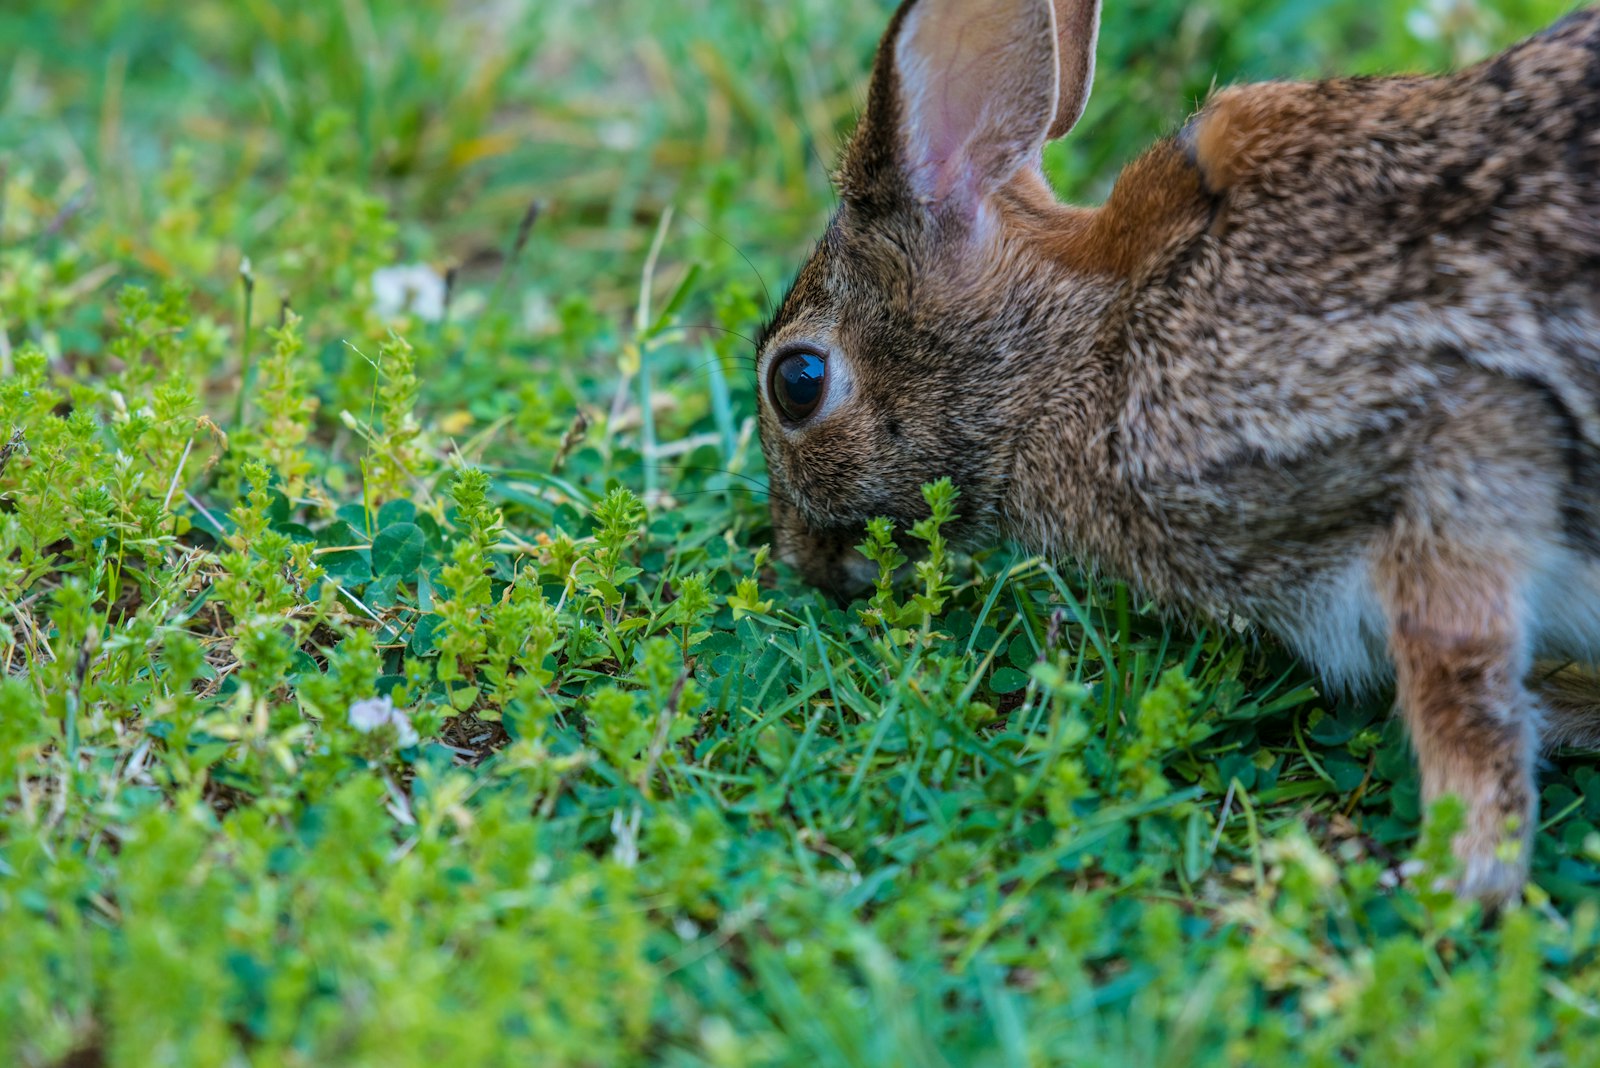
795, 383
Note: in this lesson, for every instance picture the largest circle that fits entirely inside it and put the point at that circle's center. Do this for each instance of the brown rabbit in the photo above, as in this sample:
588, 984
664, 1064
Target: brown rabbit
1329, 358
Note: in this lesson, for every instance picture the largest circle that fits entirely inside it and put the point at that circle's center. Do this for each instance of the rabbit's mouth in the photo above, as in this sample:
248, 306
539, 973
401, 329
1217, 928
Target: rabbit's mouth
825, 556
830, 561
848, 575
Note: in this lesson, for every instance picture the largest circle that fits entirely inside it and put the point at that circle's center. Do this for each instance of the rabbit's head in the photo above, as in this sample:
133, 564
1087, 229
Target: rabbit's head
914, 341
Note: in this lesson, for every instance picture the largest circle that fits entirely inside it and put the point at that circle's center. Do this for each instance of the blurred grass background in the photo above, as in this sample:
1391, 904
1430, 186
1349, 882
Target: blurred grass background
458, 114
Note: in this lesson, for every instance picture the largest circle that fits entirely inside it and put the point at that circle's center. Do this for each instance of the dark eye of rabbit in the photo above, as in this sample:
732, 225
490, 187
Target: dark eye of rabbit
796, 383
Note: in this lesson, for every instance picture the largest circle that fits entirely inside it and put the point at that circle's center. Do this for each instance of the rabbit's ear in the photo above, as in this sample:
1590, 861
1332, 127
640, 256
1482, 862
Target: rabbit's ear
1077, 30
965, 94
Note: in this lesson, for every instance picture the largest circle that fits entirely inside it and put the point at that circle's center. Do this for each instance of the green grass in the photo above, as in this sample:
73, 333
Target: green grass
662, 804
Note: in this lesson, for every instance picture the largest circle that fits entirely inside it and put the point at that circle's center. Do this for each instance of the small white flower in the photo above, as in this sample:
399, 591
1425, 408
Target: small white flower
538, 314
619, 135
368, 715
374, 712
1424, 24
625, 848
413, 287
1392, 878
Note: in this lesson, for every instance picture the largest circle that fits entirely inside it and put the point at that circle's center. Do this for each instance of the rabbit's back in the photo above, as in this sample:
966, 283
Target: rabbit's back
1397, 300
1374, 232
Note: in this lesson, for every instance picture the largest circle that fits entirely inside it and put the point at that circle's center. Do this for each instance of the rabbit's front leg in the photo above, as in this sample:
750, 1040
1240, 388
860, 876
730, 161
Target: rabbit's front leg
1461, 655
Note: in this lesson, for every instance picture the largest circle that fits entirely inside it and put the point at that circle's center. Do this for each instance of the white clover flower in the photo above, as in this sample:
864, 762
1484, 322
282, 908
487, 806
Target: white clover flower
1393, 877
1426, 21
413, 287
619, 135
1463, 25
538, 314
374, 712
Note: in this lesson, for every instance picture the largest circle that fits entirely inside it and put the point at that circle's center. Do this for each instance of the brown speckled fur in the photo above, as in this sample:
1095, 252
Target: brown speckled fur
1329, 358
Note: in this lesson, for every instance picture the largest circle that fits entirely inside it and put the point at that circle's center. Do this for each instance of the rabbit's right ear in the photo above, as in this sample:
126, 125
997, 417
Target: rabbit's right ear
965, 93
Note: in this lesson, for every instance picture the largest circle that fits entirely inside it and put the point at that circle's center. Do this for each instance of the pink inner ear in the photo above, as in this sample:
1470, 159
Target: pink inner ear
959, 91
979, 90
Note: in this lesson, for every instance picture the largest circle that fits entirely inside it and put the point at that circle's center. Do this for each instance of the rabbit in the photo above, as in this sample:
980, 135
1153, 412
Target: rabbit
1327, 358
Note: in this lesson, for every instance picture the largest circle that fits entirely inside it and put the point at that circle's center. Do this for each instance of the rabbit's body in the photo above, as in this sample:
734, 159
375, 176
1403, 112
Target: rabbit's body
1330, 359
1416, 287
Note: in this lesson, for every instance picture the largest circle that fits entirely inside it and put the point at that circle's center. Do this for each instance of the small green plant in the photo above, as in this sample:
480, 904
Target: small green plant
462, 635
881, 549
933, 568
617, 519
690, 609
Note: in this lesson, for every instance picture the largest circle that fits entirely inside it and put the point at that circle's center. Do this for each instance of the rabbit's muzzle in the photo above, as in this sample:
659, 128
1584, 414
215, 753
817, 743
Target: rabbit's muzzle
827, 558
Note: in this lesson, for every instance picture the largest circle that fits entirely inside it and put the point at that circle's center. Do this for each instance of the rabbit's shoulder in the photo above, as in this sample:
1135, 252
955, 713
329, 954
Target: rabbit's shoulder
1376, 242
1157, 208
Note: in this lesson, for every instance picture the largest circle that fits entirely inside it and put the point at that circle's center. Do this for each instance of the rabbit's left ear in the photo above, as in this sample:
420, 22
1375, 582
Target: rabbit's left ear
966, 92
1077, 30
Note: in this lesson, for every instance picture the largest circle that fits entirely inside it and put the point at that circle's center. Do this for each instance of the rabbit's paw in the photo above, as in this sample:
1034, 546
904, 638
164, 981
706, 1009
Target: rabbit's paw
1494, 875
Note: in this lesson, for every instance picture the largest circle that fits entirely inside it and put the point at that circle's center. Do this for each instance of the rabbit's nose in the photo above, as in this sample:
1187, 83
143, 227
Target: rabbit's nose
824, 564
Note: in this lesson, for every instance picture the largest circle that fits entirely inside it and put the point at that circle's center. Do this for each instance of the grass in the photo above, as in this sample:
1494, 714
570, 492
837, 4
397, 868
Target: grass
384, 687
